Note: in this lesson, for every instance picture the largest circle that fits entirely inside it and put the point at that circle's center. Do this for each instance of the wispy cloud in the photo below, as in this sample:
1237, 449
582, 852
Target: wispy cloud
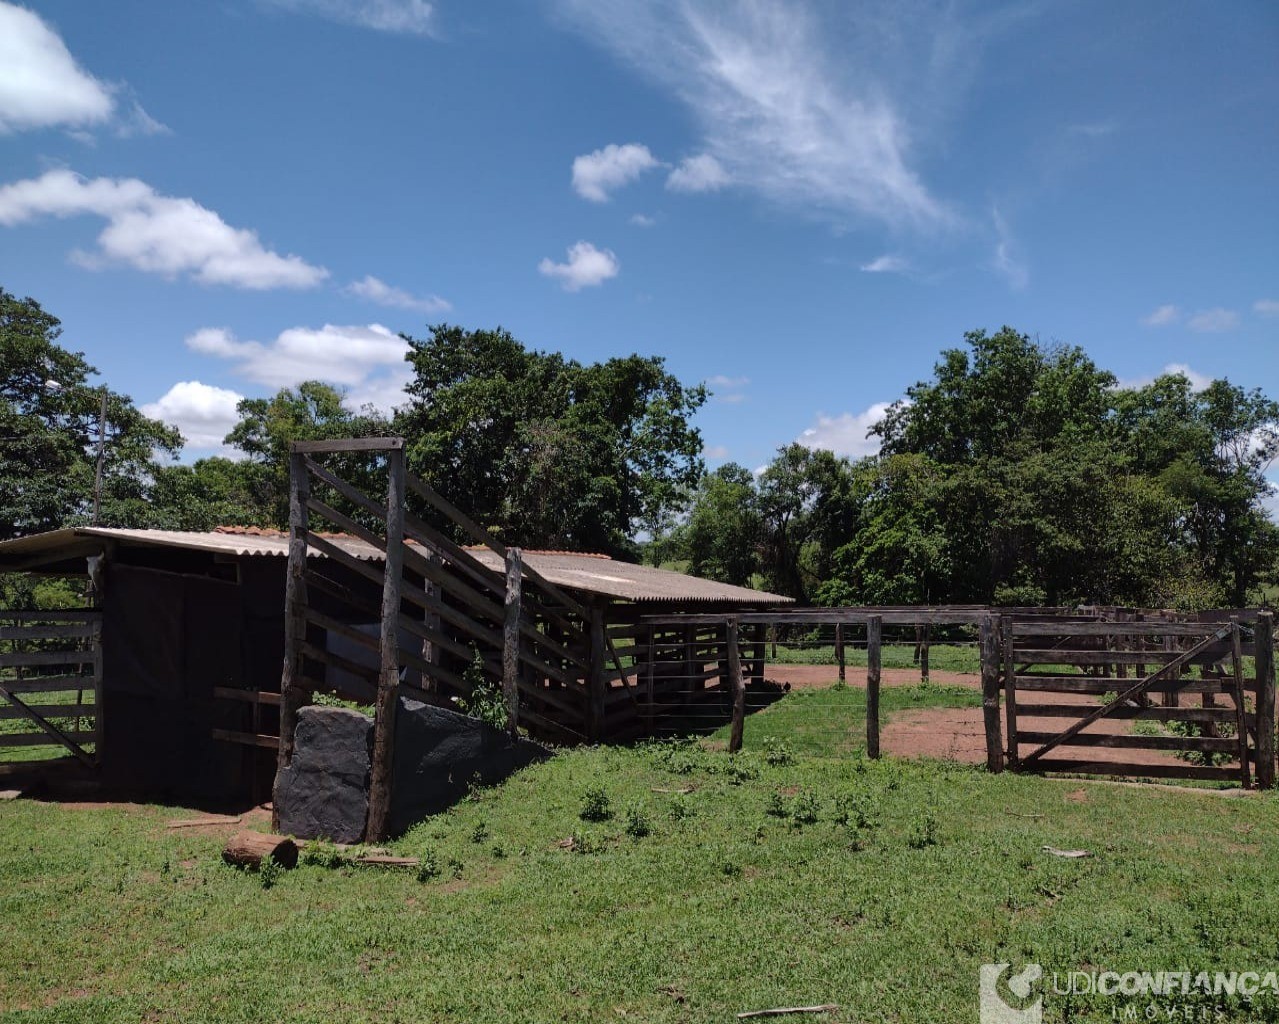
1198, 381
725, 388
1266, 307
786, 107
1162, 316
1214, 321
43, 86
642, 220
378, 291
597, 174
715, 451
1007, 259
847, 433
156, 233
409, 17
886, 264
702, 173
585, 267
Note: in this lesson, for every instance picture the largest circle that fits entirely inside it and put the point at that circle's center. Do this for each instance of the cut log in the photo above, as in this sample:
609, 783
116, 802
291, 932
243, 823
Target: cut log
247, 849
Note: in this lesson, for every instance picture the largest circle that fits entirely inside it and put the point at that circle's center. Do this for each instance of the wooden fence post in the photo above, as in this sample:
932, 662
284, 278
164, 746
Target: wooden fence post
1264, 656
1010, 689
738, 685
874, 637
291, 687
990, 694
839, 649
923, 653
595, 678
1236, 677
511, 640
388, 684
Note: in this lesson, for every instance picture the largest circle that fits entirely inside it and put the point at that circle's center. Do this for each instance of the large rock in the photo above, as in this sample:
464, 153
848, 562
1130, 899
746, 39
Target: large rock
439, 752
324, 792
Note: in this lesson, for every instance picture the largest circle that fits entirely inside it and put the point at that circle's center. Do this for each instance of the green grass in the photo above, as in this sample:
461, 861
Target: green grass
941, 657
775, 881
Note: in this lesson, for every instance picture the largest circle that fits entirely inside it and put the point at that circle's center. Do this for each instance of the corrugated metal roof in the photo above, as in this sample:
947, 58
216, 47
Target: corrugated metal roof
595, 574
628, 582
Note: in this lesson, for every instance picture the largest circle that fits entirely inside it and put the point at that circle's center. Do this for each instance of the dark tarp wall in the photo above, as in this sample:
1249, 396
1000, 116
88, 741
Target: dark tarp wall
167, 641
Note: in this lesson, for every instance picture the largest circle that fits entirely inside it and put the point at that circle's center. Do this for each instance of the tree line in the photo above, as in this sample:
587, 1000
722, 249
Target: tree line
1017, 474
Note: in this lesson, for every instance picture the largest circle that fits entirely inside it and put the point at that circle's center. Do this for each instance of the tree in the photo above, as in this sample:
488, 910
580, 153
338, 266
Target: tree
543, 450
49, 432
724, 527
312, 411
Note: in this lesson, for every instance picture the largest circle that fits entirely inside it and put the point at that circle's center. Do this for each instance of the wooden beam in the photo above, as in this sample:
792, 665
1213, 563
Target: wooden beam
511, 641
738, 685
874, 639
595, 677
989, 641
348, 444
292, 695
1264, 654
1236, 664
382, 769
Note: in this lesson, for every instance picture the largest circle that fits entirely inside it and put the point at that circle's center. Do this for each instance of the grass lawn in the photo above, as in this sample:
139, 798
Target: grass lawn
784, 877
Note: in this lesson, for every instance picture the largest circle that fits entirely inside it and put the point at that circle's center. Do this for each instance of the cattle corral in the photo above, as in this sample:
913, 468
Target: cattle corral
365, 600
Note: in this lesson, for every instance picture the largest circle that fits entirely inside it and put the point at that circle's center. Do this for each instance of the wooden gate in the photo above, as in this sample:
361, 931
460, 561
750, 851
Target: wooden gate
50, 686
1190, 700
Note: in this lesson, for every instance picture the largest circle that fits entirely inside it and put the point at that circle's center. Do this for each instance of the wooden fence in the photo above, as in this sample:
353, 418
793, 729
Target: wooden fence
50, 687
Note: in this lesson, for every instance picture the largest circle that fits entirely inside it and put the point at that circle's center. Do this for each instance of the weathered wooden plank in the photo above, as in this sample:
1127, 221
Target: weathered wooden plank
1147, 771
1052, 628
1061, 656
348, 444
1010, 689
247, 696
326, 657
1241, 726
738, 686
1214, 744
595, 678
292, 695
48, 684
1128, 711
68, 615
248, 739
1101, 684
989, 643
48, 711
37, 659
511, 640
51, 631
1264, 655
44, 739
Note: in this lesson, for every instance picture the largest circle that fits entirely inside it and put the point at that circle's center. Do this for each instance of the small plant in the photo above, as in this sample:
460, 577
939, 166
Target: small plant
637, 824
428, 866
776, 805
269, 871
777, 752
854, 811
923, 831
680, 810
498, 851
480, 832
731, 870
595, 805
485, 700
455, 867
321, 853
806, 809
584, 842
840, 686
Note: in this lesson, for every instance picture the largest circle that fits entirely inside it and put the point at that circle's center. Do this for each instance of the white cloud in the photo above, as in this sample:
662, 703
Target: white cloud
375, 290
727, 389
1214, 321
715, 451
156, 233
1198, 381
587, 266
845, 434
702, 173
886, 264
799, 109
1162, 316
344, 356
597, 174
41, 85
203, 413
642, 220
408, 17
1266, 307
1007, 259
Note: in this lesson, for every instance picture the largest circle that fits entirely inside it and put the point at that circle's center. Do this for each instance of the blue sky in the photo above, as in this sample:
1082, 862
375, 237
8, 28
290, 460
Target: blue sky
801, 203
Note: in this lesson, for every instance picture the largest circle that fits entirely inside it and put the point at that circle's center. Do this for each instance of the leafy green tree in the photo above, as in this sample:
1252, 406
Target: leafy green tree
724, 527
543, 450
49, 432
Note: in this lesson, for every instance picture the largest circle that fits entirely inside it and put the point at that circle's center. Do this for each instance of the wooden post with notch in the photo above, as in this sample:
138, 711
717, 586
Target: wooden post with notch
511, 640
839, 650
874, 639
989, 637
292, 692
738, 686
388, 684
1010, 689
1264, 658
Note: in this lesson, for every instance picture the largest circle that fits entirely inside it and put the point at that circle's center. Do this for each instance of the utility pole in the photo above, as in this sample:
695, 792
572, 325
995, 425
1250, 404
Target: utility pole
102, 451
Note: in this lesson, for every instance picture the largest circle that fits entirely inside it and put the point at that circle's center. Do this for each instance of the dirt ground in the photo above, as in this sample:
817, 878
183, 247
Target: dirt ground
958, 733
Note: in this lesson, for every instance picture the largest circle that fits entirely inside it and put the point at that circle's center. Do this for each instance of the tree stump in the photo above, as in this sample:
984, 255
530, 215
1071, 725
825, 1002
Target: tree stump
247, 849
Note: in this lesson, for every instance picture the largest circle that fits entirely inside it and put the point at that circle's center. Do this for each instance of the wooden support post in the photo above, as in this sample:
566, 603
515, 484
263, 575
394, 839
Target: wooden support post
1236, 672
595, 678
990, 694
1264, 657
1172, 698
388, 685
431, 620
511, 640
874, 638
839, 649
738, 685
923, 653
292, 695
1010, 689
759, 654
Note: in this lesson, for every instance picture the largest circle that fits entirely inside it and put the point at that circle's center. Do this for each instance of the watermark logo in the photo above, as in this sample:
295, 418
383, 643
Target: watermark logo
1008, 998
